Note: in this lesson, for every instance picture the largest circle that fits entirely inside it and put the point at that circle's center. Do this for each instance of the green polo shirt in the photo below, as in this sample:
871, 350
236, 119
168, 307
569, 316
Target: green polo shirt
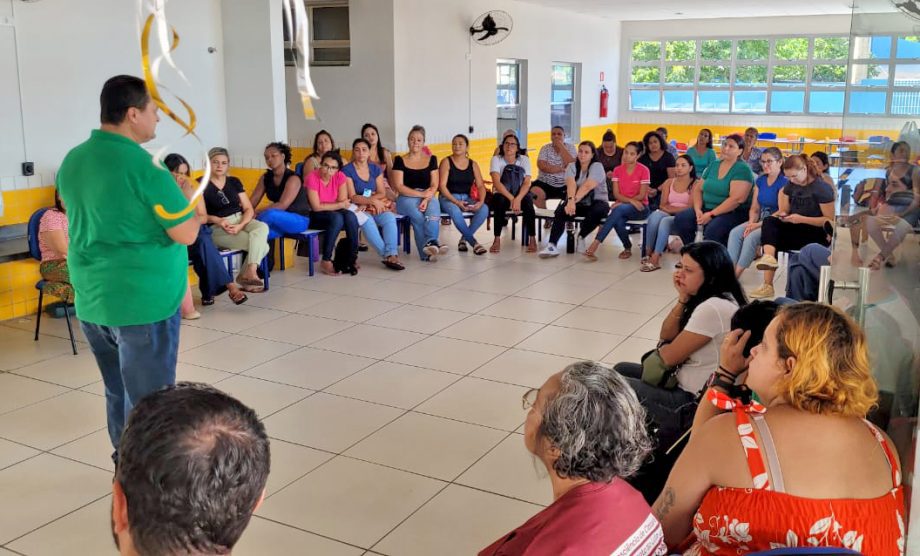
124, 267
716, 190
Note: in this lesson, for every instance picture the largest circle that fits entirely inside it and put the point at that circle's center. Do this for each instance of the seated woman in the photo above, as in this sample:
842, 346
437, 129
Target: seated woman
512, 195
751, 153
289, 211
824, 164
791, 479
231, 216
459, 175
669, 379
380, 156
724, 199
213, 278
895, 206
675, 197
610, 156
806, 211
322, 144
744, 238
660, 164
415, 178
368, 195
702, 152
587, 428
327, 190
586, 196
552, 161
53, 240
630, 193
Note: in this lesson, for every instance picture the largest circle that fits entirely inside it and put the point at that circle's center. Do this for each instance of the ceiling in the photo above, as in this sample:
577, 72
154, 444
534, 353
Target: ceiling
633, 10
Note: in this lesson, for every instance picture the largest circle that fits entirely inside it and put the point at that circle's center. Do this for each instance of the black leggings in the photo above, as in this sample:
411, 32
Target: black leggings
593, 214
332, 222
785, 236
501, 205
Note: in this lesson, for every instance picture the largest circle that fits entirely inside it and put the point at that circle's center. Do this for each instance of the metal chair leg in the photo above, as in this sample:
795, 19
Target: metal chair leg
73, 343
38, 315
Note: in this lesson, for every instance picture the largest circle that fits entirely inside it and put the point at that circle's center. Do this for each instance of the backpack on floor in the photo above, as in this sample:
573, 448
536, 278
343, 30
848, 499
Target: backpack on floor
344, 260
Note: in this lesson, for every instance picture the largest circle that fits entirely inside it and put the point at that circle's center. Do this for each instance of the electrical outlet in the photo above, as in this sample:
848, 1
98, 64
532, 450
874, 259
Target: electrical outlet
28, 168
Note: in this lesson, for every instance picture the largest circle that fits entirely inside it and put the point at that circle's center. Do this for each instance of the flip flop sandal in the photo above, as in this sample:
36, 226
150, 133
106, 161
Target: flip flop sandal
495, 248
240, 300
624, 255
253, 289
479, 250
462, 247
649, 267
248, 282
590, 257
207, 301
392, 265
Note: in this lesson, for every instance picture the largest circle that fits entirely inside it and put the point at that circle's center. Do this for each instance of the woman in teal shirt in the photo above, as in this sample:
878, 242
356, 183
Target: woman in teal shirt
723, 201
702, 152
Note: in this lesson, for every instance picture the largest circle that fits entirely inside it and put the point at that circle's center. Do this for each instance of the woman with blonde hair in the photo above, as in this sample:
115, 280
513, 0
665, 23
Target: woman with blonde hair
801, 466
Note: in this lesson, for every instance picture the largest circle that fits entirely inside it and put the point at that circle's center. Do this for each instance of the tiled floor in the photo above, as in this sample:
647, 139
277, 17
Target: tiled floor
392, 400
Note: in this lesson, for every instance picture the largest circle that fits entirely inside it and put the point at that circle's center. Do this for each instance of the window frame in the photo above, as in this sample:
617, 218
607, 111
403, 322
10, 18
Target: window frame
313, 44
771, 63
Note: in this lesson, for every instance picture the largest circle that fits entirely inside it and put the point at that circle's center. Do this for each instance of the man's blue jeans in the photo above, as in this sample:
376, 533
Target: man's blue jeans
134, 361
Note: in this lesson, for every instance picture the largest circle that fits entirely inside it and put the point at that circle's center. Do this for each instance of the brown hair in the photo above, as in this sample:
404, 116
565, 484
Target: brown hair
831, 374
797, 161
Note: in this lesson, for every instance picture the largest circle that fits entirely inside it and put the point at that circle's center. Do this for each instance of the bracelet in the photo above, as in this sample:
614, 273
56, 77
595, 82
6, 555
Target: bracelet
725, 371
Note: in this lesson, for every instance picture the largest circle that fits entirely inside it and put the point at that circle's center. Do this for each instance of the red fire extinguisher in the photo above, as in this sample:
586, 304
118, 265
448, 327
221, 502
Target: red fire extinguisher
605, 96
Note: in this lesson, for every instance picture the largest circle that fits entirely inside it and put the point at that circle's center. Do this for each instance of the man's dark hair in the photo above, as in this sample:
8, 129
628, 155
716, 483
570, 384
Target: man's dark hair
119, 94
754, 317
193, 463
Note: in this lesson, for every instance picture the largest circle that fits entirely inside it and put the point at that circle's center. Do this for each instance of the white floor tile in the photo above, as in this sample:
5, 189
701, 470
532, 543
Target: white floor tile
11, 452
491, 330
602, 320
93, 449
351, 308
512, 471
18, 349
570, 342
20, 391
524, 368
226, 317
370, 341
481, 402
291, 462
87, 528
393, 384
447, 354
235, 354
263, 396
531, 310
193, 336
72, 371
630, 351
310, 368
645, 304
414, 318
456, 298
264, 537
55, 421
302, 330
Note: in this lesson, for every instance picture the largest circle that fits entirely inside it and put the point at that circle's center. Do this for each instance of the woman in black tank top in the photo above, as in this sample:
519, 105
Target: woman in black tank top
457, 187
288, 212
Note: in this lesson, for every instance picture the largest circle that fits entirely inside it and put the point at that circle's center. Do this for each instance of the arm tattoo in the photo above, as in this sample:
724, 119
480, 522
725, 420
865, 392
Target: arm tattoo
664, 503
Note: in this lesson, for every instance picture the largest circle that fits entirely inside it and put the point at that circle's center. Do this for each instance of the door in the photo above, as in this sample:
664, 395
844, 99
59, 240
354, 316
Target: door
510, 101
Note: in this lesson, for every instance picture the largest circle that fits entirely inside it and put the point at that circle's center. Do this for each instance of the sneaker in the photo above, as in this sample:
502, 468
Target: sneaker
580, 244
764, 291
194, 315
767, 262
548, 251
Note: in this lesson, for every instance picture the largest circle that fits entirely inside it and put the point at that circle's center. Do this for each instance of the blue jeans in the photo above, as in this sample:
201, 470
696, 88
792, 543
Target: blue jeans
657, 231
283, 222
134, 361
386, 222
743, 250
717, 230
616, 220
479, 218
805, 270
426, 225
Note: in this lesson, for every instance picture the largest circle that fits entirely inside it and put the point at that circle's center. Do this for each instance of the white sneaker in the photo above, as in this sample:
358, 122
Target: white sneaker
580, 244
548, 251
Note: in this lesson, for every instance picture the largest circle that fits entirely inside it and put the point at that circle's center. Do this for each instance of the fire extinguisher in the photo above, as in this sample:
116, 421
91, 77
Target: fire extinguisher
605, 96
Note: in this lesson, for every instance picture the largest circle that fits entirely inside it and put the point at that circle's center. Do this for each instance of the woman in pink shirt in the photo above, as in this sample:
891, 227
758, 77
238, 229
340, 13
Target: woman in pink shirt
587, 427
630, 191
327, 190
53, 239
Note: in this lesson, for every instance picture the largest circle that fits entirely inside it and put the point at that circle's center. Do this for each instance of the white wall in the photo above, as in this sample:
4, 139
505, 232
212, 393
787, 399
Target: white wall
253, 46
747, 27
432, 83
351, 95
66, 52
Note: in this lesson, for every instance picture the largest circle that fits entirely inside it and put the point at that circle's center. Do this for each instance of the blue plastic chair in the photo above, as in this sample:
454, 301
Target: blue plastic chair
35, 252
807, 550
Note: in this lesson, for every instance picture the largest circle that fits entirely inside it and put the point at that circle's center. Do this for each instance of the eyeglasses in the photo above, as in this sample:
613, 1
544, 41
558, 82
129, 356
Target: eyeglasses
224, 200
767, 161
529, 398
331, 168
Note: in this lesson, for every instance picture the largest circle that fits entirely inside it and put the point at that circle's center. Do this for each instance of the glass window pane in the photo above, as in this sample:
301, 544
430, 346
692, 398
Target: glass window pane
330, 23
753, 49
867, 48
642, 75
678, 51
506, 97
792, 49
714, 75
561, 115
331, 55
644, 100
825, 102
905, 102
789, 75
678, 101
749, 101
646, 51
751, 75
712, 101
563, 74
907, 75
716, 50
562, 95
867, 102
832, 48
908, 47
829, 75
787, 101
869, 75
679, 75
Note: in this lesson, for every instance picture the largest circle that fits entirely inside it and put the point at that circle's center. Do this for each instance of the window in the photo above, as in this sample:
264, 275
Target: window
871, 75
563, 98
330, 37
507, 84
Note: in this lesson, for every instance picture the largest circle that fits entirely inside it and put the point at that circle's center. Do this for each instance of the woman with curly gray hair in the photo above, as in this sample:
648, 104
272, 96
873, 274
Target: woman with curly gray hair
588, 428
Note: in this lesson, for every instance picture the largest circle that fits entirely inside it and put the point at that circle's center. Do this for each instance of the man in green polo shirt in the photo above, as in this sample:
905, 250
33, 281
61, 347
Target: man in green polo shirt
128, 266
